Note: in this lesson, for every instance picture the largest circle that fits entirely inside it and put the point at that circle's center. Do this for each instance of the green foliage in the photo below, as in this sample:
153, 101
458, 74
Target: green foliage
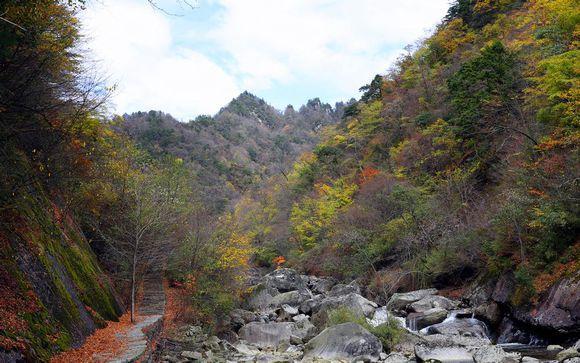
373, 90
310, 217
265, 256
481, 86
557, 89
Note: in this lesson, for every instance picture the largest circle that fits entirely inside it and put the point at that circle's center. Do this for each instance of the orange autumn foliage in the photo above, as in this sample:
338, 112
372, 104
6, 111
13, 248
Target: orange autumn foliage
279, 261
101, 341
367, 174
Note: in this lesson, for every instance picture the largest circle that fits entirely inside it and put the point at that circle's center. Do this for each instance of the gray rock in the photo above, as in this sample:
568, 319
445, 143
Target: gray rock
443, 355
504, 288
321, 285
395, 358
272, 334
344, 341
304, 329
462, 327
567, 354
241, 317
418, 321
559, 310
284, 280
380, 316
440, 340
356, 304
342, 289
311, 305
167, 358
293, 298
530, 360
266, 334
286, 312
433, 301
261, 296
494, 354
554, 347
300, 317
400, 300
572, 360
489, 312
244, 349
192, 355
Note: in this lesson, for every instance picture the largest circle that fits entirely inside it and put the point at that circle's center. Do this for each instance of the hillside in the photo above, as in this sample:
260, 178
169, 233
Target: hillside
456, 169
234, 150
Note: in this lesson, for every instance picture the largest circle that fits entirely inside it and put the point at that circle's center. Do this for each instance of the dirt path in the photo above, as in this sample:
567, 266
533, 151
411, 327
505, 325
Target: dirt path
123, 341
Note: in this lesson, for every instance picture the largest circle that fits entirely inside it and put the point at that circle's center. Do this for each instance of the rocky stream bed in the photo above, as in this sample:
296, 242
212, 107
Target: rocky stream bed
285, 319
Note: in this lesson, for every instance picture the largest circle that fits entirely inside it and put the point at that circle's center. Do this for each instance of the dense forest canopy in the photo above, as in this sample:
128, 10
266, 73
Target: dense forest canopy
458, 166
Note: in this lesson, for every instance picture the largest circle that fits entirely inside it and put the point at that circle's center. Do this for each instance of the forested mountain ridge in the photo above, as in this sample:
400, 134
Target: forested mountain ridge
244, 143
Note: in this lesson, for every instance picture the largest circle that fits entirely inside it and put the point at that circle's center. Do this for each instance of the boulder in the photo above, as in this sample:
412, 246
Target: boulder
246, 350
463, 327
304, 329
284, 280
356, 304
192, 355
443, 355
321, 285
504, 288
480, 292
530, 360
558, 310
286, 312
433, 301
494, 354
567, 354
292, 298
266, 334
440, 340
273, 334
488, 312
396, 358
342, 289
241, 317
400, 300
418, 321
260, 296
381, 316
344, 341
312, 305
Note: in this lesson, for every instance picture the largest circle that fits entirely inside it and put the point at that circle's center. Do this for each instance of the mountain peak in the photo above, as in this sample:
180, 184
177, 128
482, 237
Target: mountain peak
252, 106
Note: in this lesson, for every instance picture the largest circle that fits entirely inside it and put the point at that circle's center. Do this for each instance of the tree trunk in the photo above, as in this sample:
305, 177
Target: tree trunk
133, 281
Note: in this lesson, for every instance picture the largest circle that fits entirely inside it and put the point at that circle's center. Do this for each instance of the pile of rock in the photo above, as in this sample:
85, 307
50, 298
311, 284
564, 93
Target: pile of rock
285, 318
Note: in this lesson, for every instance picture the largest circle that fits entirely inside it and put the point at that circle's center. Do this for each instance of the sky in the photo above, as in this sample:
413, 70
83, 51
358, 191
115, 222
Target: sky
194, 61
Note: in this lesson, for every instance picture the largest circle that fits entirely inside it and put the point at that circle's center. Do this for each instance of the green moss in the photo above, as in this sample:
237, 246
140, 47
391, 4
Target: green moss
55, 242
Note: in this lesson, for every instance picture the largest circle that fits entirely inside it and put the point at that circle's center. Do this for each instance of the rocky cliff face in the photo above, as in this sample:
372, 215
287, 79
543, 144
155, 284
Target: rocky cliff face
52, 289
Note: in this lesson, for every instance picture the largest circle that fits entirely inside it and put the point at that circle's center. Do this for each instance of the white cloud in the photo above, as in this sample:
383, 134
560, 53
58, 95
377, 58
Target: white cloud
341, 42
135, 45
164, 62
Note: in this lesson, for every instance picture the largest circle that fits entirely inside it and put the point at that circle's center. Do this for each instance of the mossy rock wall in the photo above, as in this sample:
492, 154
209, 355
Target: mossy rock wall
53, 294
